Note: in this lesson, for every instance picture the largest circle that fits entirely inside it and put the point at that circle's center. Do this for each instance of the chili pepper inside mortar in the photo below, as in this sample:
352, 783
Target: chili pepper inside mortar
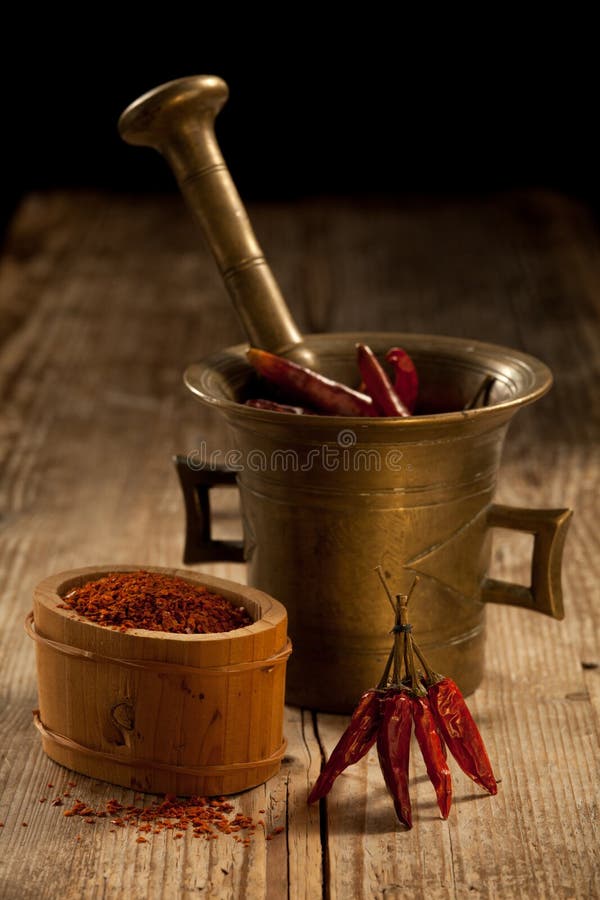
376, 396
378, 386
410, 692
406, 379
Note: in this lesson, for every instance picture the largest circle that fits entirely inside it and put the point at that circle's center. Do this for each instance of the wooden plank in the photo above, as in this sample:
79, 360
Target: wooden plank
103, 300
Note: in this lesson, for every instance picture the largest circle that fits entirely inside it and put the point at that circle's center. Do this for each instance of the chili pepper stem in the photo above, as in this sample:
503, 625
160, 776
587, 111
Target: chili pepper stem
482, 393
405, 654
379, 571
397, 657
401, 655
409, 659
432, 677
383, 681
400, 622
417, 684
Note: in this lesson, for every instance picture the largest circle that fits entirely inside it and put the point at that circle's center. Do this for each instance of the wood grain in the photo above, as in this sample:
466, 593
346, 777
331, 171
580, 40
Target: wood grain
103, 301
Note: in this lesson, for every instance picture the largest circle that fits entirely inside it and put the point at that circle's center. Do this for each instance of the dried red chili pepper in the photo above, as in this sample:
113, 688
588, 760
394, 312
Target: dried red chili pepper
393, 747
460, 733
378, 385
306, 387
431, 746
357, 739
406, 380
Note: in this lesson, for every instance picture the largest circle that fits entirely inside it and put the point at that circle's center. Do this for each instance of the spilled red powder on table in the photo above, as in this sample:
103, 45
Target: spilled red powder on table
157, 602
203, 817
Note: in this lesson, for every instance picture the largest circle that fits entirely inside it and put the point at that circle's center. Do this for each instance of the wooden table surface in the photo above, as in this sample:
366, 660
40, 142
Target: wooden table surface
103, 301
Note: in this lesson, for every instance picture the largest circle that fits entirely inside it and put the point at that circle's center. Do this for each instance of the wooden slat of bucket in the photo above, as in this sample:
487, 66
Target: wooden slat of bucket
185, 717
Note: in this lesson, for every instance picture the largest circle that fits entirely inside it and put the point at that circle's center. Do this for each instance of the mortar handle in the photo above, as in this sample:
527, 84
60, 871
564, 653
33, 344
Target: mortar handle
196, 484
549, 528
177, 119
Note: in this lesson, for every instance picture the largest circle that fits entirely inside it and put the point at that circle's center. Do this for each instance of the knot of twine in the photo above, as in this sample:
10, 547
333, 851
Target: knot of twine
401, 629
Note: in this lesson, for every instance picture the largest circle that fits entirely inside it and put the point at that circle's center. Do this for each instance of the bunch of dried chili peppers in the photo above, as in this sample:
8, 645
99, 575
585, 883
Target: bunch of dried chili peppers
408, 693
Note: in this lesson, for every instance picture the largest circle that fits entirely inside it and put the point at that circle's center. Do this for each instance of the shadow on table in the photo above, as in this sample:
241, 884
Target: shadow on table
351, 817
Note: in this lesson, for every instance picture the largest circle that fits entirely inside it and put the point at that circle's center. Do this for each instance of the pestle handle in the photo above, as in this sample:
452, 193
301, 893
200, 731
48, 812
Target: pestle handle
177, 119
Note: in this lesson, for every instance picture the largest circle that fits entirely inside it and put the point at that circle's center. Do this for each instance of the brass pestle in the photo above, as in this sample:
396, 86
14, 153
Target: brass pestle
177, 119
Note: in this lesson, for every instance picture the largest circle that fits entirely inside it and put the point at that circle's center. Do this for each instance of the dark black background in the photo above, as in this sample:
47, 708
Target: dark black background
390, 110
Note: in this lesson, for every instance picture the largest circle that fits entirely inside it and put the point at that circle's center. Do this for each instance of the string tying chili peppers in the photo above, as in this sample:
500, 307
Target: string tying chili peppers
410, 693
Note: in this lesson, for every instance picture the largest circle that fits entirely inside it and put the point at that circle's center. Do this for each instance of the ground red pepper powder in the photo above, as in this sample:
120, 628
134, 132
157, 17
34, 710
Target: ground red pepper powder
156, 602
200, 817
203, 817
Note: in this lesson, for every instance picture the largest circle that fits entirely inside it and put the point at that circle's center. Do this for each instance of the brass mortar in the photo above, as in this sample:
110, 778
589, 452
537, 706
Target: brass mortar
325, 499
337, 496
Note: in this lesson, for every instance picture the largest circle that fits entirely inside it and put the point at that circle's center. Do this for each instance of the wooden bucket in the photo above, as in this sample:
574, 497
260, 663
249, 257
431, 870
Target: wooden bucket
159, 712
